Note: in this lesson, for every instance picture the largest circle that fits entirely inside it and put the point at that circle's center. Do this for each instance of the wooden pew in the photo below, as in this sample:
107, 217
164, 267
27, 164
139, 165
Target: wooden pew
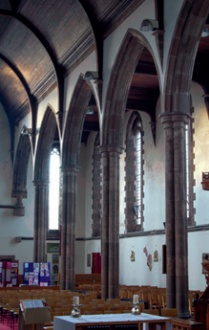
201, 309
183, 324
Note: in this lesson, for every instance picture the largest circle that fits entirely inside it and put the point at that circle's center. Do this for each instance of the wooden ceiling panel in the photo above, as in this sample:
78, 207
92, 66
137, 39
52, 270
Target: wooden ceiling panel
25, 52
4, 21
145, 80
61, 22
16, 93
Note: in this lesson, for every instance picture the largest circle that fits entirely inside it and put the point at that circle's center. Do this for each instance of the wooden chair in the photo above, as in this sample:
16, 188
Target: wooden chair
171, 312
154, 300
151, 311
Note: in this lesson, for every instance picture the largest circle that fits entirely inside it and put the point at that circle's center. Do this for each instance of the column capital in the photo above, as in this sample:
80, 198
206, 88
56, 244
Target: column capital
70, 170
40, 182
19, 193
172, 117
111, 149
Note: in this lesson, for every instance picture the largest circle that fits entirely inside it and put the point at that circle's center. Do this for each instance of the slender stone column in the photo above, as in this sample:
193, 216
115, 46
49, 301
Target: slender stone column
105, 221
181, 237
67, 276
110, 223
113, 232
176, 219
169, 211
41, 220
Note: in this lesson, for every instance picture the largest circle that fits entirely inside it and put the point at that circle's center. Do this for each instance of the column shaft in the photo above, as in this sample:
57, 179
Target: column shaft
67, 276
41, 220
110, 222
169, 212
176, 219
181, 237
105, 223
113, 287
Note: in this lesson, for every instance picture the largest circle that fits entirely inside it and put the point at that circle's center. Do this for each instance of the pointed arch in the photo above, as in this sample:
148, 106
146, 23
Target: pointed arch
112, 143
41, 182
45, 141
175, 118
119, 85
70, 154
74, 123
182, 55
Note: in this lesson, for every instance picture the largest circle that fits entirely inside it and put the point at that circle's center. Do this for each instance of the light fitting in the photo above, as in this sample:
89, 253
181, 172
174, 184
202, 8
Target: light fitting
149, 25
205, 32
28, 131
89, 111
91, 75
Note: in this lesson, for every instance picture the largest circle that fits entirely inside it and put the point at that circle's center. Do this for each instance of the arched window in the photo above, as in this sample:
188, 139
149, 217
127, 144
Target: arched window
54, 189
133, 175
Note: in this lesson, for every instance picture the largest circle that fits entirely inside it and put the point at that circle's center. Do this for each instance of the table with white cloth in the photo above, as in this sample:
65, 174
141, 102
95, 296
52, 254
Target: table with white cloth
112, 322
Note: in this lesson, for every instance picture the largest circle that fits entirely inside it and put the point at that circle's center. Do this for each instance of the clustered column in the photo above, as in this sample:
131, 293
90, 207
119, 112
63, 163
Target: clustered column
181, 250
176, 219
110, 222
41, 220
69, 191
169, 211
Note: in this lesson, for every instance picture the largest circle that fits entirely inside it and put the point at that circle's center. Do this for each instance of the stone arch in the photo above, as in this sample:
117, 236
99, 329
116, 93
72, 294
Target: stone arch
41, 183
70, 154
112, 142
45, 141
74, 123
182, 55
119, 84
175, 119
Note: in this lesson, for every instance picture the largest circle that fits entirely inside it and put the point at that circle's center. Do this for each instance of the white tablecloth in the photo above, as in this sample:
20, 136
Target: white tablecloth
68, 322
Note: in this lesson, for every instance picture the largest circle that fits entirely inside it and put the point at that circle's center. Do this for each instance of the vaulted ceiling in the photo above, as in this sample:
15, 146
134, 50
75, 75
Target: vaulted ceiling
41, 41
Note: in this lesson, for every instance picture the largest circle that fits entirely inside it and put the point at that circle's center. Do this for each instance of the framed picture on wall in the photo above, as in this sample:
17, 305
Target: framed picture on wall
55, 258
52, 247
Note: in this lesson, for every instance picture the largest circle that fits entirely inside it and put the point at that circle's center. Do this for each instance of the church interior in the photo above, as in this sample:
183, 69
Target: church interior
118, 90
